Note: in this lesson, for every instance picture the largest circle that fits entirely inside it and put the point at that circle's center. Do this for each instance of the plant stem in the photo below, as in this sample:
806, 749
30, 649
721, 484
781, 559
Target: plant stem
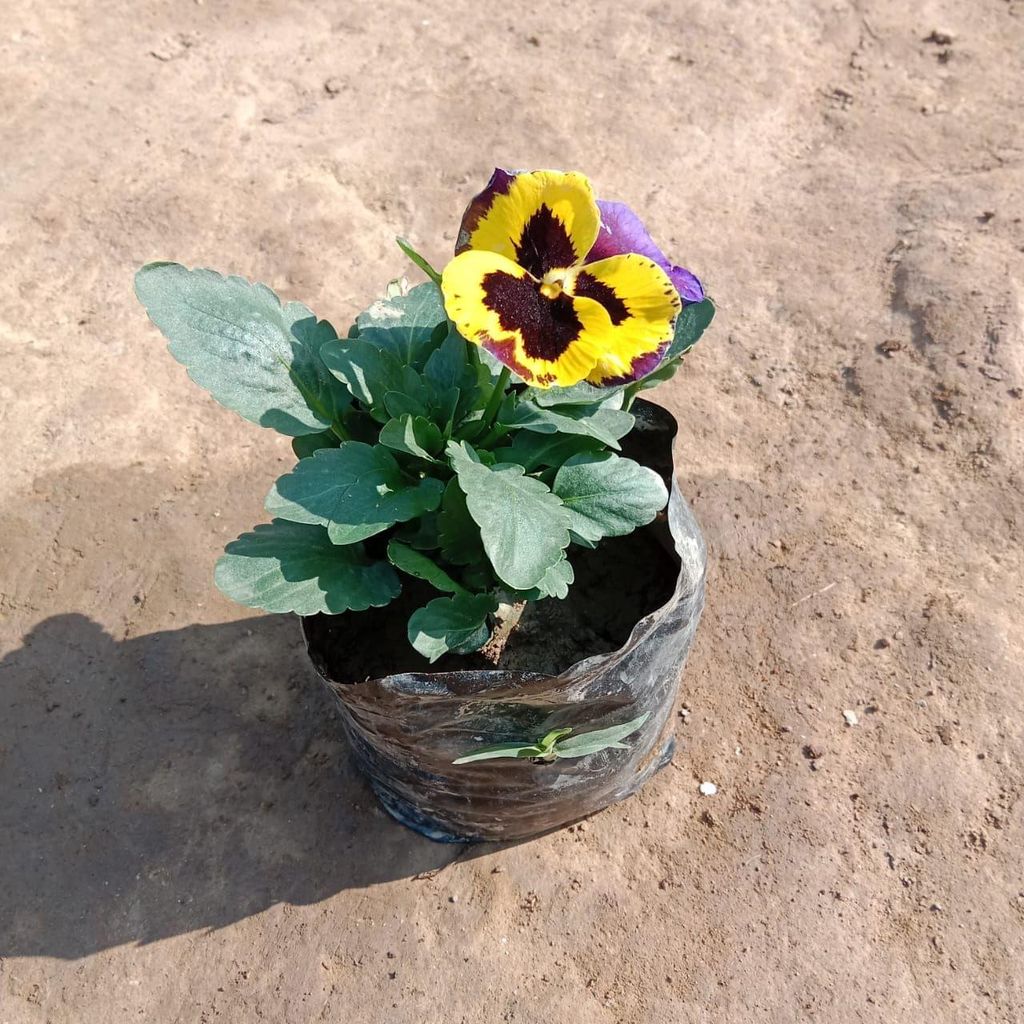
340, 432
491, 409
495, 435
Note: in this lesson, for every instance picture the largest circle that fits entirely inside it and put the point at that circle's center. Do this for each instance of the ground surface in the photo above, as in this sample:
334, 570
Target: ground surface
182, 838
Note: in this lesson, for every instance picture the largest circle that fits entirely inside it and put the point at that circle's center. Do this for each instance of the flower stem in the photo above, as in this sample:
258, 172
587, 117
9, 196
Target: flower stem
491, 409
493, 437
419, 261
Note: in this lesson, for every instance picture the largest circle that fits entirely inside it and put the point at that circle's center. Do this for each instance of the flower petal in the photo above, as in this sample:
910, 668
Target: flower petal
641, 303
481, 203
542, 220
498, 305
623, 231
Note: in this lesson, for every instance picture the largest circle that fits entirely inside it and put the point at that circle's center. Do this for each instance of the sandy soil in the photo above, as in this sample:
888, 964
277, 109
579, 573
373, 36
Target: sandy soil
182, 837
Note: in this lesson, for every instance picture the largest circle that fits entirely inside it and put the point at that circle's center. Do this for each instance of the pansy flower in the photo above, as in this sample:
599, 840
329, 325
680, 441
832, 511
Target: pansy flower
562, 287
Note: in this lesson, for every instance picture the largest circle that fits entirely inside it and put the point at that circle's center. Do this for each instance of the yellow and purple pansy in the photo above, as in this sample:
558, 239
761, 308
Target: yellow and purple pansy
560, 286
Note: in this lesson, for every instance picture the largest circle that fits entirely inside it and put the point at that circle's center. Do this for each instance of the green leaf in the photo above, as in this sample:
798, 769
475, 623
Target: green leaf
517, 750
579, 394
369, 372
419, 260
404, 325
523, 525
420, 533
448, 365
356, 491
554, 583
532, 451
666, 371
416, 564
607, 425
608, 496
585, 743
292, 567
547, 743
457, 532
544, 748
413, 435
690, 325
307, 444
254, 355
457, 624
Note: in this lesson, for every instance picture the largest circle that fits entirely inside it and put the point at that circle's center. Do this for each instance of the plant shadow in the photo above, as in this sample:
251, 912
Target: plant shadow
181, 780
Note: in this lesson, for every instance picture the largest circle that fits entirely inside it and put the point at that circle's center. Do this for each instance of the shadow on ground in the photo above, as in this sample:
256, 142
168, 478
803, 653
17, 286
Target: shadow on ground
175, 781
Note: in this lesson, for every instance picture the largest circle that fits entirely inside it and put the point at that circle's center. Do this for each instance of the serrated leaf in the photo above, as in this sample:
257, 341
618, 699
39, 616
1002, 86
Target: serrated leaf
532, 451
457, 624
421, 397
516, 750
583, 743
523, 525
554, 583
368, 371
404, 325
292, 567
413, 435
605, 424
414, 563
457, 531
608, 496
356, 491
690, 325
255, 355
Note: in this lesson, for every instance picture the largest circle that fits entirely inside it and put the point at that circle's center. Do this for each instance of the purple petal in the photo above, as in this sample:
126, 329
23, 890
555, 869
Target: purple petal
500, 183
689, 288
642, 365
623, 231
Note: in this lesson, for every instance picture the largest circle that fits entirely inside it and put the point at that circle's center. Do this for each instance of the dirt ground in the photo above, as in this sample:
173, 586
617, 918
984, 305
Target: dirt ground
181, 835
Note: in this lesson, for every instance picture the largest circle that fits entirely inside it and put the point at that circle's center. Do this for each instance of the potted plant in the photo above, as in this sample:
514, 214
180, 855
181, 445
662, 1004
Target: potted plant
495, 571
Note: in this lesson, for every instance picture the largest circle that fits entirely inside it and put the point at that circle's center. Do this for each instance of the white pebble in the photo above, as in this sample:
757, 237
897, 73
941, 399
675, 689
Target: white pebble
708, 789
851, 717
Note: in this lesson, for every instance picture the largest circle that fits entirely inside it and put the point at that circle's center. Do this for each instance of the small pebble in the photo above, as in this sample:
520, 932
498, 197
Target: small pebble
851, 717
708, 789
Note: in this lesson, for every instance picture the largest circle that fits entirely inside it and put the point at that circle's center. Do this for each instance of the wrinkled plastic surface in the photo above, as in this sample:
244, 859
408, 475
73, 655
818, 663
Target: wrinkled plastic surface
407, 729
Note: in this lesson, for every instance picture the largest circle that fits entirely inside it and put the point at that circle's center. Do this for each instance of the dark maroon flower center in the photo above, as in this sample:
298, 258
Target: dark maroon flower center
548, 326
544, 244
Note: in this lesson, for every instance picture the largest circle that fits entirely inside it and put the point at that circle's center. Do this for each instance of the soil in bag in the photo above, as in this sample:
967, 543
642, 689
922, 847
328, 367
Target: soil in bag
617, 584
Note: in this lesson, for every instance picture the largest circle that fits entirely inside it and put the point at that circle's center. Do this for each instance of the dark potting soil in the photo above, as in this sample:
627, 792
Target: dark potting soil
617, 584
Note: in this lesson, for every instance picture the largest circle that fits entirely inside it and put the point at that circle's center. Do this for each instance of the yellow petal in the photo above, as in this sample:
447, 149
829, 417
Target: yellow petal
496, 304
546, 220
641, 303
